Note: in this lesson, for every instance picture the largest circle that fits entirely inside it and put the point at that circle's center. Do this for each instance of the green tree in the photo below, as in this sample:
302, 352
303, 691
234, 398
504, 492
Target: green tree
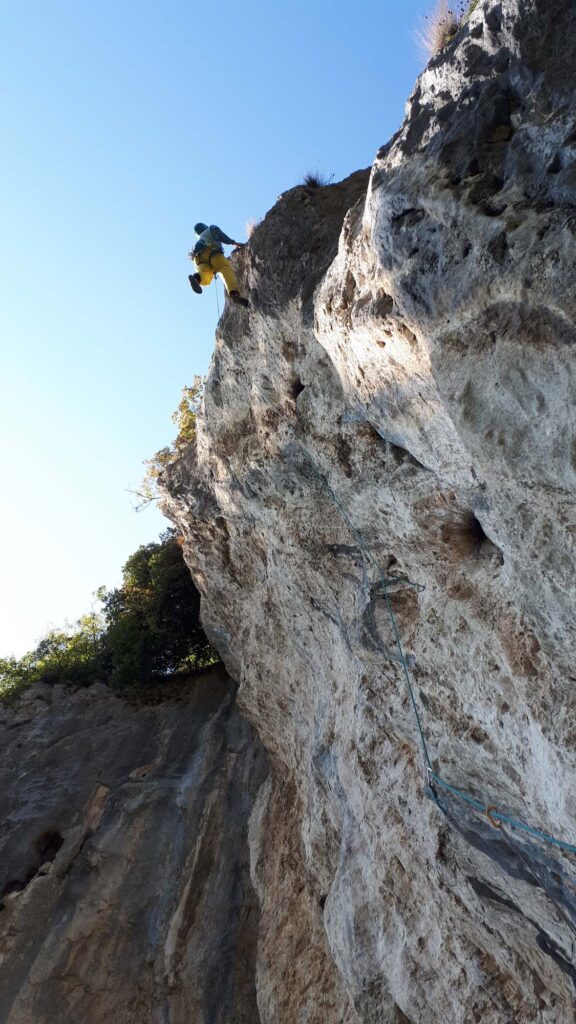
153, 619
75, 653
149, 628
14, 676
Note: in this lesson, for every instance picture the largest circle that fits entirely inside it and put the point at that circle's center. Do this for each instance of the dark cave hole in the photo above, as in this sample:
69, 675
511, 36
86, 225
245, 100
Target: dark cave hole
17, 884
296, 388
465, 536
48, 845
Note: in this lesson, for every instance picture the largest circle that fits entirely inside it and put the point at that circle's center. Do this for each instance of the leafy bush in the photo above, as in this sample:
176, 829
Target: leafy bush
75, 653
185, 419
13, 677
153, 619
148, 629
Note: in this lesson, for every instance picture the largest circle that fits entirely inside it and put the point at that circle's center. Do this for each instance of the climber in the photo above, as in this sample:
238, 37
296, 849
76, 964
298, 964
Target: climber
208, 255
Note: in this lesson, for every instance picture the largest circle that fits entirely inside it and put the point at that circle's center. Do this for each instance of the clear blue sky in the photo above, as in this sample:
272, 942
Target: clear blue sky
123, 124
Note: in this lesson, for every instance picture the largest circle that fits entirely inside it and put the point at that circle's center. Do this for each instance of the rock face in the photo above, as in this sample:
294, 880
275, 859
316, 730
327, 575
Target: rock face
397, 407
126, 893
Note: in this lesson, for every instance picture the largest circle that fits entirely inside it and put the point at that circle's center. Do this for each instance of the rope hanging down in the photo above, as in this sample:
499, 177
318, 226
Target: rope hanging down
385, 583
492, 812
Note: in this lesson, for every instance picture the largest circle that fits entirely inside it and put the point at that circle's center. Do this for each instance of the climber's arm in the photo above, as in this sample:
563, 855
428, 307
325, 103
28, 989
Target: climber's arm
223, 238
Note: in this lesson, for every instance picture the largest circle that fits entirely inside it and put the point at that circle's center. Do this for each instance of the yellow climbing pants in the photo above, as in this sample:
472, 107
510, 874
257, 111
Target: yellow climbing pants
218, 265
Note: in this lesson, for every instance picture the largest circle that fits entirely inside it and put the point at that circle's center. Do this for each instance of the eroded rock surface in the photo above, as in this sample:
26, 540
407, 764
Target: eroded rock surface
126, 893
403, 385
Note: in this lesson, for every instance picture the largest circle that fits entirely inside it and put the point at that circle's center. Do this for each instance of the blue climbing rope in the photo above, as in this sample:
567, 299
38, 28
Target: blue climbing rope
492, 812
489, 810
385, 583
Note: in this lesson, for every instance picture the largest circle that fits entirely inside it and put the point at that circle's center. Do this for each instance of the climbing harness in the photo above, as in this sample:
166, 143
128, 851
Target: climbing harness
205, 255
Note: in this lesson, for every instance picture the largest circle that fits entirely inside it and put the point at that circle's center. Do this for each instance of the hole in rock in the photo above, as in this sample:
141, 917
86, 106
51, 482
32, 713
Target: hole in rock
492, 211
408, 218
402, 456
296, 388
344, 454
464, 535
48, 845
17, 884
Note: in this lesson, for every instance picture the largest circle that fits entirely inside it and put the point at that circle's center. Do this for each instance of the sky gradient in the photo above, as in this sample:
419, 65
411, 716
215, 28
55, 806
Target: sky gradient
123, 124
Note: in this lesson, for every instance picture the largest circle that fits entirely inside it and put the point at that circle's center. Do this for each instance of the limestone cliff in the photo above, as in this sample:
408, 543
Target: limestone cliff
126, 893
399, 401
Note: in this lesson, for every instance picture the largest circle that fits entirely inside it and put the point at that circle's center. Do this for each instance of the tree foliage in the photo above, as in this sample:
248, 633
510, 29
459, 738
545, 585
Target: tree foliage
185, 419
147, 629
153, 619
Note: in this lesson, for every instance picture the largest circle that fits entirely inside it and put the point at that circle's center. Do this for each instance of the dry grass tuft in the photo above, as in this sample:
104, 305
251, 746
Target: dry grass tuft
315, 180
251, 226
439, 27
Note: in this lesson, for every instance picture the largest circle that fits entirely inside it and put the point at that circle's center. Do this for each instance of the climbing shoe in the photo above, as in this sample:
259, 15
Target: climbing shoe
195, 283
237, 298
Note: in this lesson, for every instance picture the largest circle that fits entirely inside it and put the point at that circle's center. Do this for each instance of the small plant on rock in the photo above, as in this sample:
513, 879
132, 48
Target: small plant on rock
441, 25
313, 179
185, 419
251, 226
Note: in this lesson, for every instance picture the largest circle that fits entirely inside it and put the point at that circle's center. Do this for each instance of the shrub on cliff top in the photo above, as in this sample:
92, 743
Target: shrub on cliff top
437, 29
441, 25
313, 179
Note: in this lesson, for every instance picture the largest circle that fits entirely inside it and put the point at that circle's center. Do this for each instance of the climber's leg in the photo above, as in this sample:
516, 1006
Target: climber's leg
221, 265
206, 272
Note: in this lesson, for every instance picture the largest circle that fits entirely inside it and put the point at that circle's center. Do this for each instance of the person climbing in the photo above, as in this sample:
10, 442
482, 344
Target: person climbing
208, 255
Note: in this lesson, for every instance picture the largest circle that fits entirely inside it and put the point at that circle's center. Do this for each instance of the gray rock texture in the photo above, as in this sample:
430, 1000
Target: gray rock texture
400, 398
124, 867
